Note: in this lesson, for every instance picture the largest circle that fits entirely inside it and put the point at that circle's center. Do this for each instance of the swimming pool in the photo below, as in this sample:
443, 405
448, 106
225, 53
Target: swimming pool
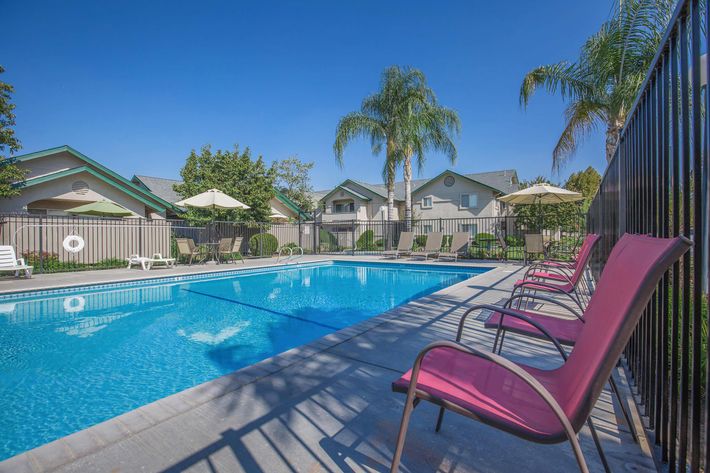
74, 357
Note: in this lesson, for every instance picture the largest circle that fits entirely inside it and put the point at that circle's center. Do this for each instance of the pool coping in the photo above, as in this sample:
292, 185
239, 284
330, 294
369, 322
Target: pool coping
57, 453
6, 294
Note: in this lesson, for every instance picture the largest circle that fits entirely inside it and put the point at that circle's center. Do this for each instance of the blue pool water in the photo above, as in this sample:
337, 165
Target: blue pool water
71, 359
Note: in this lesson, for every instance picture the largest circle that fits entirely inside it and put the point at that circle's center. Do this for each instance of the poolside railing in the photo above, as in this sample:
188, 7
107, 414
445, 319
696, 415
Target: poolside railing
109, 241
657, 183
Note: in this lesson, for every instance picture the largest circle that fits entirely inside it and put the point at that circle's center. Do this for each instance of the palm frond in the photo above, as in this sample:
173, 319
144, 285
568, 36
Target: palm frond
582, 118
357, 125
568, 78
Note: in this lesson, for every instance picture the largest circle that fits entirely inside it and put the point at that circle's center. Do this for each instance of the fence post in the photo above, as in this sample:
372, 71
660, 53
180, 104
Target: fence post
352, 231
41, 247
261, 240
316, 246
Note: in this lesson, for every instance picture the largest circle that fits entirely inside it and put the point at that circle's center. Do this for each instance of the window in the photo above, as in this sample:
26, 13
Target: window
470, 228
468, 201
427, 202
343, 207
428, 228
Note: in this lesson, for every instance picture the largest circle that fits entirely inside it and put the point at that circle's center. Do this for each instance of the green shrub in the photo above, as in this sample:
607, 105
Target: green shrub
328, 240
264, 244
367, 241
483, 237
513, 240
419, 241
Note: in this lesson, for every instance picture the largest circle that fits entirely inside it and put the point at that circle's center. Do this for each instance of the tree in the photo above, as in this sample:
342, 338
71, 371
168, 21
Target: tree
380, 119
10, 173
293, 179
586, 183
601, 86
426, 126
235, 174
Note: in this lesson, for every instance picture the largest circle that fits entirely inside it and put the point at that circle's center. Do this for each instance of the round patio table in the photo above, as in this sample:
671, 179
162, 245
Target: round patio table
213, 251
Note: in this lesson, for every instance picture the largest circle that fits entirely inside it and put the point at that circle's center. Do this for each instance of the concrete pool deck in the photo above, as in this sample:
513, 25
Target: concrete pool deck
327, 406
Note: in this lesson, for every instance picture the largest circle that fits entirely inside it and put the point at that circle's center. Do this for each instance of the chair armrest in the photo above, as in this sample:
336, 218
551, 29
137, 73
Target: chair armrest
571, 310
504, 363
508, 312
20, 262
549, 287
531, 271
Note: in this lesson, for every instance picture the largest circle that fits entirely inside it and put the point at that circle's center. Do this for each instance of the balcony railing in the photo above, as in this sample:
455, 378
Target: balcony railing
657, 183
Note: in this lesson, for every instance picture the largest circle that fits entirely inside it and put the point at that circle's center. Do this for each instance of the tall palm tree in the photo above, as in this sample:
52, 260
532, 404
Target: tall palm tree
427, 126
602, 85
381, 119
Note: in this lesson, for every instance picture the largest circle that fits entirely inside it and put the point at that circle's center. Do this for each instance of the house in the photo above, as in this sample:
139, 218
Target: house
448, 195
282, 208
62, 178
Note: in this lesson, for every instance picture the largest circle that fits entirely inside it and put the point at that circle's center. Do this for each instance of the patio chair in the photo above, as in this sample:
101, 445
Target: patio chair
568, 285
231, 248
432, 246
9, 262
459, 244
534, 245
147, 263
187, 249
544, 406
565, 266
404, 246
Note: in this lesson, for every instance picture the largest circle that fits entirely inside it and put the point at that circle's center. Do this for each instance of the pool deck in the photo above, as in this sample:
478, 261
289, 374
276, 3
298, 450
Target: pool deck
327, 406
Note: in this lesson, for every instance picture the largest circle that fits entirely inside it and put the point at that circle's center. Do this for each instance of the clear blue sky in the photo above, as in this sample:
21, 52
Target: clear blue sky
137, 85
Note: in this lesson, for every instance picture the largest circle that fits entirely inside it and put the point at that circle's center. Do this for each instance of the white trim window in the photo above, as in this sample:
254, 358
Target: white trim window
468, 201
427, 202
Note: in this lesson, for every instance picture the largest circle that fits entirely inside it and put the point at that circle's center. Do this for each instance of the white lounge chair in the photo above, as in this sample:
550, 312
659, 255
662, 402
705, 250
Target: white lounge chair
147, 263
9, 262
432, 247
404, 246
459, 242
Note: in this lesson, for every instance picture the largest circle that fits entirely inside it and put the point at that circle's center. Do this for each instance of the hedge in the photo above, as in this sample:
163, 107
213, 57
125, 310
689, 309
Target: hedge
266, 240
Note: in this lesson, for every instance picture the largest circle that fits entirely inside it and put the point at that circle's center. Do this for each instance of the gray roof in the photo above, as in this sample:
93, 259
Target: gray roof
159, 186
501, 180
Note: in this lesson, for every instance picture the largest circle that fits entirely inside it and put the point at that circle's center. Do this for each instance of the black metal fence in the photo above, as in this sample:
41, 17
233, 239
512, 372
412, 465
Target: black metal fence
657, 184
40, 240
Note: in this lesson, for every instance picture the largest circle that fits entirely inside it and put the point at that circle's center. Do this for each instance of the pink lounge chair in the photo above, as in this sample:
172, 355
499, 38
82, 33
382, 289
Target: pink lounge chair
535, 280
561, 270
544, 406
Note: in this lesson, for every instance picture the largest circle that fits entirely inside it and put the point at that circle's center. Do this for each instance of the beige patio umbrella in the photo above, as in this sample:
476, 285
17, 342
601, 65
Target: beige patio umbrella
541, 194
212, 199
277, 216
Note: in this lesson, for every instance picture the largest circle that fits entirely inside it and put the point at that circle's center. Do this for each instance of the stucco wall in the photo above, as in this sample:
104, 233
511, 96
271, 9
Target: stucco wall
446, 200
61, 191
52, 163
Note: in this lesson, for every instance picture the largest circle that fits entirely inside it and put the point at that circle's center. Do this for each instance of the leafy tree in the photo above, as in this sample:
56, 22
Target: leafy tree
586, 183
602, 84
380, 120
235, 174
10, 173
294, 181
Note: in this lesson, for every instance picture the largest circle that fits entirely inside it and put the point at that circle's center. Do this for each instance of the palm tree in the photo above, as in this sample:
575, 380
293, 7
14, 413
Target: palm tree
428, 126
602, 85
381, 119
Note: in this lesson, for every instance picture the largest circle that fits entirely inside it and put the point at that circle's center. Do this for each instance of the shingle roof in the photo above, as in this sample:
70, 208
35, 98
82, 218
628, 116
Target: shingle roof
161, 187
500, 180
